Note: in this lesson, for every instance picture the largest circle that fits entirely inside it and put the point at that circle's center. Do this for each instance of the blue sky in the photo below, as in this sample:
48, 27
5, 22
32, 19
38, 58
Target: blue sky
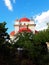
10, 10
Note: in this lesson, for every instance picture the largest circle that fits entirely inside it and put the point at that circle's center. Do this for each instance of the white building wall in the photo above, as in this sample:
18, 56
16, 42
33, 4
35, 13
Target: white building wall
16, 29
26, 22
32, 28
47, 45
16, 26
16, 22
11, 37
31, 22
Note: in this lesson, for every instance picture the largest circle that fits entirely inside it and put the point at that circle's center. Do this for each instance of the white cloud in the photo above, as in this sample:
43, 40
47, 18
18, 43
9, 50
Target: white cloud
8, 4
42, 20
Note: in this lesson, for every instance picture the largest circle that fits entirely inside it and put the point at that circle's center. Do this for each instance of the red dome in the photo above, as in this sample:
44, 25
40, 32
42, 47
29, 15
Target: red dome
12, 33
24, 19
24, 29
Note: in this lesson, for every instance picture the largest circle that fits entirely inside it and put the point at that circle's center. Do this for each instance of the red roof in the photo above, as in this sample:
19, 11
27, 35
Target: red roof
24, 29
21, 30
12, 33
24, 19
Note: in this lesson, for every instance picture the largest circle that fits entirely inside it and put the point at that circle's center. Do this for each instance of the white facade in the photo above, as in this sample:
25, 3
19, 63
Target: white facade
24, 24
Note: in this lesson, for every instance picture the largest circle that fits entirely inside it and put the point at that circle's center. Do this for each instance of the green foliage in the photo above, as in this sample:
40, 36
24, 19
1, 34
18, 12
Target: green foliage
34, 45
3, 34
4, 44
40, 47
24, 40
34, 48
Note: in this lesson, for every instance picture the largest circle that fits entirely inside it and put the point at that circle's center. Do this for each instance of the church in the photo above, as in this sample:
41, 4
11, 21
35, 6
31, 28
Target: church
23, 24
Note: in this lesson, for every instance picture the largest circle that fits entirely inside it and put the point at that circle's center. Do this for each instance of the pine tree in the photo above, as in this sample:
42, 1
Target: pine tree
3, 34
4, 44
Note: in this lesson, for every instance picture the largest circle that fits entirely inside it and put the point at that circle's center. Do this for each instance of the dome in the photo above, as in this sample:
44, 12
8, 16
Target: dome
24, 29
24, 19
12, 33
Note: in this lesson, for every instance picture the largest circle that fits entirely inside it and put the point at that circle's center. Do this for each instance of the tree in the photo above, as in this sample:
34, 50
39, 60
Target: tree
24, 39
40, 46
3, 34
34, 46
4, 44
